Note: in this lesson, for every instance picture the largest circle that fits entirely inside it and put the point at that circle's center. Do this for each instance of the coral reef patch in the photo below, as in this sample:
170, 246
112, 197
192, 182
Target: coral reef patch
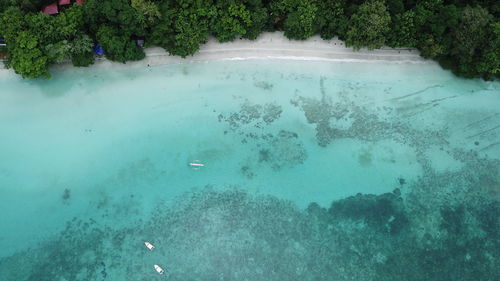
232, 235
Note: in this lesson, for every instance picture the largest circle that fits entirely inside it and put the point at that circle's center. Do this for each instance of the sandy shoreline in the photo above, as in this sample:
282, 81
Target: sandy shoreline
274, 46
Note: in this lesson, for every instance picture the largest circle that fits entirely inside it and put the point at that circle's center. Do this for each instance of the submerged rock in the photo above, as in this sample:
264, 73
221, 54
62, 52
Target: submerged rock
66, 194
384, 212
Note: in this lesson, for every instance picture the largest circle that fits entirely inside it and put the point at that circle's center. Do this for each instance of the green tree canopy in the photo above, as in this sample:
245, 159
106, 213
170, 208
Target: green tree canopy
117, 46
434, 22
230, 19
258, 16
148, 9
298, 18
470, 39
470, 33
369, 26
183, 26
118, 13
462, 35
403, 30
488, 61
12, 21
233, 18
28, 58
301, 23
26, 5
331, 19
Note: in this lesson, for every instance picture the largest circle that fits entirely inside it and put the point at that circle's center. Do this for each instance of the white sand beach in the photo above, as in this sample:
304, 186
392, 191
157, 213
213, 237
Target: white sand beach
274, 45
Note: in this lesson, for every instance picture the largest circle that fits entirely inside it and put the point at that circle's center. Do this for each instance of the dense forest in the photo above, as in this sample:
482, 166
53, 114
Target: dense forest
461, 35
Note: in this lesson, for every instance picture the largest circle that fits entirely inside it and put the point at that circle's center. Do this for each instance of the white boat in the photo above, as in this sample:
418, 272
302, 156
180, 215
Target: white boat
196, 164
149, 245
159, 269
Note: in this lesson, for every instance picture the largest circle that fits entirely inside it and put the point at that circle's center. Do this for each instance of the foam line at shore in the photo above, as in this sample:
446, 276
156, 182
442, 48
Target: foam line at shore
324, 59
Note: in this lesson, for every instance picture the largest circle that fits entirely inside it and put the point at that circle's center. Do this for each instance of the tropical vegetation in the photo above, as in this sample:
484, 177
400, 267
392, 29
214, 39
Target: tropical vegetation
463, 36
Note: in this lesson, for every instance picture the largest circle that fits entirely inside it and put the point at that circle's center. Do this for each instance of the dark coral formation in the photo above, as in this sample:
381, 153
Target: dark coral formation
384, 213
232, 235
284, 150
276, 150
330, 119
462, 249
263, 85
254, 115
66, 194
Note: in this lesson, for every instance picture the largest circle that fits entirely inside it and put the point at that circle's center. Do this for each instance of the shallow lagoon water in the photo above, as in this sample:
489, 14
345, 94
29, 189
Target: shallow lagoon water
313, 171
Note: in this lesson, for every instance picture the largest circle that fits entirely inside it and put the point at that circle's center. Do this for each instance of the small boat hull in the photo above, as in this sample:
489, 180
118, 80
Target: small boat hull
196, 164
159, 269
149, 246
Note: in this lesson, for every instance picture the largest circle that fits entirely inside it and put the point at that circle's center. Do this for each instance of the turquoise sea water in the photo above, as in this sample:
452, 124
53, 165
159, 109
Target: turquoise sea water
313, 171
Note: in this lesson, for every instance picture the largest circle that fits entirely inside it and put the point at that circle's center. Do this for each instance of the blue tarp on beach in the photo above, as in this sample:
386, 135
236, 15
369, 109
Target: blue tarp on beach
98, 50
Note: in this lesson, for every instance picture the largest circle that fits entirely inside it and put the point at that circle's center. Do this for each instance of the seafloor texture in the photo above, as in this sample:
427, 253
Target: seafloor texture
313, 171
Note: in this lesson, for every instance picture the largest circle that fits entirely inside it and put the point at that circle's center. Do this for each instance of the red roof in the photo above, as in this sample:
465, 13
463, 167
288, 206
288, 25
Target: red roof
64, 2
80, 1
51, 9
